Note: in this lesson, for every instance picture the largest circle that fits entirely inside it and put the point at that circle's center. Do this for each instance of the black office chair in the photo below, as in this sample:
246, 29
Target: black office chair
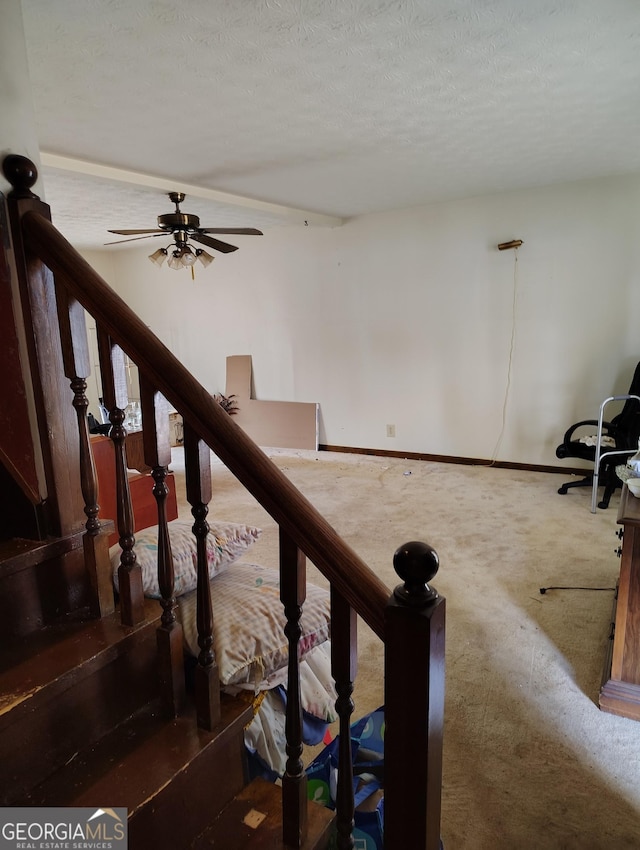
95, 427
623, 429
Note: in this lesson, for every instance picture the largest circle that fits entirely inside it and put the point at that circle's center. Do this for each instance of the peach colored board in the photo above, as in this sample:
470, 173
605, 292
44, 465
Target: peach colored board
278, 424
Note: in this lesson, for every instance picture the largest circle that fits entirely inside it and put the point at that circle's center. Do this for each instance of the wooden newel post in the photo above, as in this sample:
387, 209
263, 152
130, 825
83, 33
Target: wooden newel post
414, 702
51, 449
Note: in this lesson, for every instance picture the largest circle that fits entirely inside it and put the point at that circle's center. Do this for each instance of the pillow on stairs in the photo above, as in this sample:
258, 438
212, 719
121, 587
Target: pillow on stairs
226, 542
248, 624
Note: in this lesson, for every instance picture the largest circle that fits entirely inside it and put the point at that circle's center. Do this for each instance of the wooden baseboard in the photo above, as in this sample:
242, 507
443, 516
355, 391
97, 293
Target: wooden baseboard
620, 698
467, 461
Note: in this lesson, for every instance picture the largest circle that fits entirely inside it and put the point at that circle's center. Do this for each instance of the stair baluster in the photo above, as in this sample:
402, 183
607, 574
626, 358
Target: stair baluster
344, 664
157, 455
114, 390
77, 367
197, 462
293, 590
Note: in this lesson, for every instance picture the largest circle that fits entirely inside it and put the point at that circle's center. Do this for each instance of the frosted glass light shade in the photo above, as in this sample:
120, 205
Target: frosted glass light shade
158, 257
204, 257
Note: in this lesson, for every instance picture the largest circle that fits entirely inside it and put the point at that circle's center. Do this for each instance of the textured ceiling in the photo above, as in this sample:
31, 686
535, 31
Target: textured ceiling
340, 107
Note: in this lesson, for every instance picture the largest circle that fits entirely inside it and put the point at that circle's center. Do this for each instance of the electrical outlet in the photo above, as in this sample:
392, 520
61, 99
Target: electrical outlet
391, 430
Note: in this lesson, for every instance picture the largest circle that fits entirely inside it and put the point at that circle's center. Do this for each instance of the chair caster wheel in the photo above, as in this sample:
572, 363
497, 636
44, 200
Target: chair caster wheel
563, 490
603, 505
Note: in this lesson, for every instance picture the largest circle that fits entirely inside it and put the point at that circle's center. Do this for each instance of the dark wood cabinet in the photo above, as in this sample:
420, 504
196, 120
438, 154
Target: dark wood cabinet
620, 692
135, 452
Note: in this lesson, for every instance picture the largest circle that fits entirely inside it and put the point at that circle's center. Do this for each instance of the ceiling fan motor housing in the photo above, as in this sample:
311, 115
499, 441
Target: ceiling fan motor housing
178, 221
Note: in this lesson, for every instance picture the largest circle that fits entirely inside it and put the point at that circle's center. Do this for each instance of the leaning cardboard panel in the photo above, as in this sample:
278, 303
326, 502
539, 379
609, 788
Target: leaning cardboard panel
279, 424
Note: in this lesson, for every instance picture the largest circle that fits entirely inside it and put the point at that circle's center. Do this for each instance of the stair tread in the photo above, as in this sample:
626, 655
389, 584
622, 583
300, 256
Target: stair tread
133, 762
48, 659
232, 827
21, 553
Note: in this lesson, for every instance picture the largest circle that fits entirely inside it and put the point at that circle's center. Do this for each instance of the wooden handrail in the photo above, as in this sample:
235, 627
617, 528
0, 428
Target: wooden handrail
357, 584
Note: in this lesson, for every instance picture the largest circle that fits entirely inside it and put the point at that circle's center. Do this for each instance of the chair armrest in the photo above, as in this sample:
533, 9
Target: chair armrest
594, 422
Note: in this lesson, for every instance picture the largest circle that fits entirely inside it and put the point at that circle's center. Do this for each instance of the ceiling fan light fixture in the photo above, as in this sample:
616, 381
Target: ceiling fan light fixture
158, 257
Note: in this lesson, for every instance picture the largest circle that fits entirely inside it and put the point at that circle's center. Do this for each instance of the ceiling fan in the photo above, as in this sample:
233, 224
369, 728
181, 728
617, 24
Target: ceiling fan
184, 227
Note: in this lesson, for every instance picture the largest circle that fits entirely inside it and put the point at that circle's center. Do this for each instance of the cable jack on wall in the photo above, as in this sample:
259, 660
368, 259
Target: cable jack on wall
515, 243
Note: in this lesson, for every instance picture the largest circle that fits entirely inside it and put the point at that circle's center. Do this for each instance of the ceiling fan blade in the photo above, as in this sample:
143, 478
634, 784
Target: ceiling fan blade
214, 243
133, 232
240, 231
135, 238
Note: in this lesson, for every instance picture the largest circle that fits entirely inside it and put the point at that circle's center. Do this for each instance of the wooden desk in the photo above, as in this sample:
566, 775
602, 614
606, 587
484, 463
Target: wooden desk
620, 692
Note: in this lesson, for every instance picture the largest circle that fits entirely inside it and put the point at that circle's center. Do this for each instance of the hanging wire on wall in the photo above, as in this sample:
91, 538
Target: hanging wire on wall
503, 246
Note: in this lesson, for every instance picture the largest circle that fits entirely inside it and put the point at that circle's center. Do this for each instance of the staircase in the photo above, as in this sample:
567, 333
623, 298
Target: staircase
96, 709
81, 724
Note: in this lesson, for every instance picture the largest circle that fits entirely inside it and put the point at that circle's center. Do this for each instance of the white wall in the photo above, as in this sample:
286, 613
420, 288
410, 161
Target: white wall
18, 128
405, 318
18, 136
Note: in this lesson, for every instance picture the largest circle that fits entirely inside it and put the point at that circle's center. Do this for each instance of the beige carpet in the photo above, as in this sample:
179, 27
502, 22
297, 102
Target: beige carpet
530, 762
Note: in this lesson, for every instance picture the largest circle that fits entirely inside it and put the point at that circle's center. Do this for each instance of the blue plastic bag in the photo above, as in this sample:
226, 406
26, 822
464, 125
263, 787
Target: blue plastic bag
367, 752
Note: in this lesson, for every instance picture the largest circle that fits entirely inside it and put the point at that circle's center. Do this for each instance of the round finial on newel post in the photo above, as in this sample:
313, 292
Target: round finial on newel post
416, 563
21, 173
